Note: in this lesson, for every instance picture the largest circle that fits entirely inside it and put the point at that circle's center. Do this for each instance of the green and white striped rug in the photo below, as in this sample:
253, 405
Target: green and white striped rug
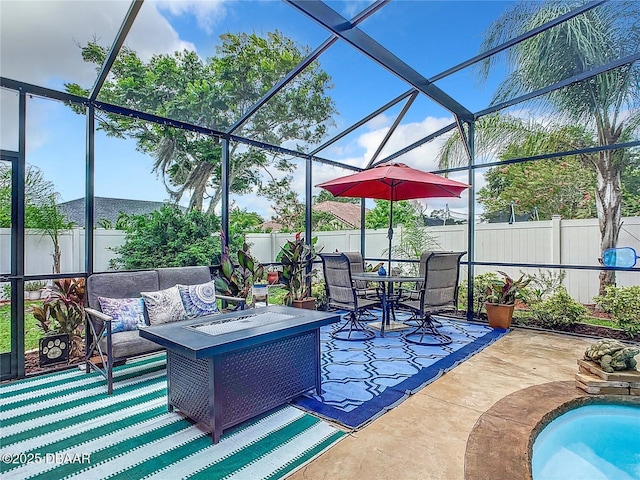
64, 425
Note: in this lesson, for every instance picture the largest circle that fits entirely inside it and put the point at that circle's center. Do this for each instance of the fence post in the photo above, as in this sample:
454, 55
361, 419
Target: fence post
556, 239
77, 263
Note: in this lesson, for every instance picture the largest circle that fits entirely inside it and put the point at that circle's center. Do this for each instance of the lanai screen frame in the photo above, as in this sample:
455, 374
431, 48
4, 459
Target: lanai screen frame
339, 29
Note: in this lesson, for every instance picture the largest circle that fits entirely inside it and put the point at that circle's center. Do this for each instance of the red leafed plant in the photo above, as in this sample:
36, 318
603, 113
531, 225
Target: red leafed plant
63, 310
504, 291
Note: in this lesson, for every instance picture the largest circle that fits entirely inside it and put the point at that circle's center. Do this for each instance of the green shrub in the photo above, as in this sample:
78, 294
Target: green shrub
558, 310
624, 304
480, 284
319, 292
543, 284
169, 237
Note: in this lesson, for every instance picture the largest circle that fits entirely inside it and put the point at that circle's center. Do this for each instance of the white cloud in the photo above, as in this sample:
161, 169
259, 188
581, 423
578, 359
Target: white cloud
52, 57
352, 7
423, 157
208, 13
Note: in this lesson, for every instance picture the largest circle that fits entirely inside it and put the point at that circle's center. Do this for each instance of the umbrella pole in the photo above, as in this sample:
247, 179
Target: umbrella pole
390, 233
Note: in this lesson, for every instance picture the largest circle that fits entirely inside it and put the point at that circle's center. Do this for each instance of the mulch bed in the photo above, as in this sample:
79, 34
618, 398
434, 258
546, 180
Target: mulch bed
588, 329
32, 363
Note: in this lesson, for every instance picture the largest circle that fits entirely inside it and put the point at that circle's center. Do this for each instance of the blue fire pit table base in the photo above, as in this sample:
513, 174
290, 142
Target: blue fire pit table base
228, 389
226, 369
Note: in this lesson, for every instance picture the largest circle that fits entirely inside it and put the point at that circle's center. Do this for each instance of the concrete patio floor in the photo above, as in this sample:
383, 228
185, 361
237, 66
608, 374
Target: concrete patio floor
426, 436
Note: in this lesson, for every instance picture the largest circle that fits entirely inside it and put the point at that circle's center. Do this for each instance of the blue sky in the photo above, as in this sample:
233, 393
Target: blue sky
431, 36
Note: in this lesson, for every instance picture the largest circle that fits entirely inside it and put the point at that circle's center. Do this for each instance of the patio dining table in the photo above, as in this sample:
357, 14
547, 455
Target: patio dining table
387, 297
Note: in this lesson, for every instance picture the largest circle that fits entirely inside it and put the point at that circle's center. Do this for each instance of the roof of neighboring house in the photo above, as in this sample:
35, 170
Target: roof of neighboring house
271, 226
347, 213
106, 208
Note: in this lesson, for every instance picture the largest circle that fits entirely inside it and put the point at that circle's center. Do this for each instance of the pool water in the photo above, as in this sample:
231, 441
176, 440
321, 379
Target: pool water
593, 442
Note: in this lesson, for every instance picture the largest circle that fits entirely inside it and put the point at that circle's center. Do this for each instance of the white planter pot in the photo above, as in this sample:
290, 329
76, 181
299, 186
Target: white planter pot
34, 295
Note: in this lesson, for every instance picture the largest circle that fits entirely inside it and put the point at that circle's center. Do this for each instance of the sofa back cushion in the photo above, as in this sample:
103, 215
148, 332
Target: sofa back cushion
169, 277
164, 306
199, 300
119, 285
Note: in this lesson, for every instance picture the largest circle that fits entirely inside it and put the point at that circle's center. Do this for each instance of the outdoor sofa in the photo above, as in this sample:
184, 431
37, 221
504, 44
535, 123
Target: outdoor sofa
110, 340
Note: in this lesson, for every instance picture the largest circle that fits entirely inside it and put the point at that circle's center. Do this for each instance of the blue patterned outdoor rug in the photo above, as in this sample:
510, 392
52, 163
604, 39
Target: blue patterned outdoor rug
64, 425
363, 380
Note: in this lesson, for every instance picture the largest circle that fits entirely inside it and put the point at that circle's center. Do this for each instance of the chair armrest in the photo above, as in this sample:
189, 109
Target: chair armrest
239, 302
231, 299
99, 315
408, 294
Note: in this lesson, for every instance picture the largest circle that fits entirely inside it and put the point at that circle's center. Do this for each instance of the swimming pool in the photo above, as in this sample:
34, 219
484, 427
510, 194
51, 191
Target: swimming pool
594, 442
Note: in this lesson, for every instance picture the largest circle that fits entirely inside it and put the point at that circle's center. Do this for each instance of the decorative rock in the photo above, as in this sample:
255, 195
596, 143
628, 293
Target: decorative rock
620, 360
612, 355
601, 348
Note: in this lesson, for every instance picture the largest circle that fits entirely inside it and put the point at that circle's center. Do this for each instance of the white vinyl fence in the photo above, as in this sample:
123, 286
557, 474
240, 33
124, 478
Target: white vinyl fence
566, 242
39, 250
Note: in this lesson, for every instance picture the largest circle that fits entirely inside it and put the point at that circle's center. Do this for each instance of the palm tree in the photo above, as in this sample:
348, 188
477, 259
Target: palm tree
605, 104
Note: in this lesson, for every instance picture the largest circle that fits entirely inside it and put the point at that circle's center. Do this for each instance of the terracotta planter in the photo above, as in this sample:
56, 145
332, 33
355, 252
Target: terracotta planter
272, 278
499, 315
307, 303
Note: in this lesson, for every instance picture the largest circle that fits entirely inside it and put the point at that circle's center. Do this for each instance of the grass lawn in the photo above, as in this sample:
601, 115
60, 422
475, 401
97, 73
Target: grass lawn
31, 330
603, 322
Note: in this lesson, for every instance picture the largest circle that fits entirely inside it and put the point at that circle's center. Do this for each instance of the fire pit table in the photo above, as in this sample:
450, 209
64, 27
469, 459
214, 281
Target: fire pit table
225, 369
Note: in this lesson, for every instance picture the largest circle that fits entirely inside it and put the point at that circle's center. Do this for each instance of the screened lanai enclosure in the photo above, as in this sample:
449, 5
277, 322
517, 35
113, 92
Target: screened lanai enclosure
239, 109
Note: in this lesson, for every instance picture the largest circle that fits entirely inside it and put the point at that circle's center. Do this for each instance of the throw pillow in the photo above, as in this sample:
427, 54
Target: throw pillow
199, 300
127, 313
164, 306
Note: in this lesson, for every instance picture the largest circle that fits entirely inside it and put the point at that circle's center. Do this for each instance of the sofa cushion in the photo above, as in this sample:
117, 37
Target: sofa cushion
127, 313
168, 277
164, 306
120, 285
130, 344
199, 300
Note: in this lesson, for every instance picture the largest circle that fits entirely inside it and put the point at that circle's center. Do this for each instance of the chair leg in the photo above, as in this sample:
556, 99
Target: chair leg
426, 333
352, 329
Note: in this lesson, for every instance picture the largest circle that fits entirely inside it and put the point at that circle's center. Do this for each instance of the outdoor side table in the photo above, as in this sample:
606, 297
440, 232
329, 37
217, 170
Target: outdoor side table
386, 286
225, 369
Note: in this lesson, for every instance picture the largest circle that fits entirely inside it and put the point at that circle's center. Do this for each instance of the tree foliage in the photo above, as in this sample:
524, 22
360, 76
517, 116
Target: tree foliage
242, 221
404, 213
41, 211
169, 238
215, 93
561, 186
605, 104
327, 196
38, 192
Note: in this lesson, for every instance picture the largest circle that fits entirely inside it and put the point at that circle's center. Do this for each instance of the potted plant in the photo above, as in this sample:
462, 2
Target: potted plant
237, 280
296, 258
272, 276
33, 289
500, 299
61, 319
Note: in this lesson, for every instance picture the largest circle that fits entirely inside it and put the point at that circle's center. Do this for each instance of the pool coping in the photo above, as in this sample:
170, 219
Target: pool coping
499, 446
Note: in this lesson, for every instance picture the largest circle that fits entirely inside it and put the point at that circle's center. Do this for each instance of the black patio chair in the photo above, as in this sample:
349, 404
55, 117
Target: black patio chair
363, 289
342, 295
438, 293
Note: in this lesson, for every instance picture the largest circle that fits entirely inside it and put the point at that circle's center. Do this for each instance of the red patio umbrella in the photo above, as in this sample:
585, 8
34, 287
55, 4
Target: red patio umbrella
394, 181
